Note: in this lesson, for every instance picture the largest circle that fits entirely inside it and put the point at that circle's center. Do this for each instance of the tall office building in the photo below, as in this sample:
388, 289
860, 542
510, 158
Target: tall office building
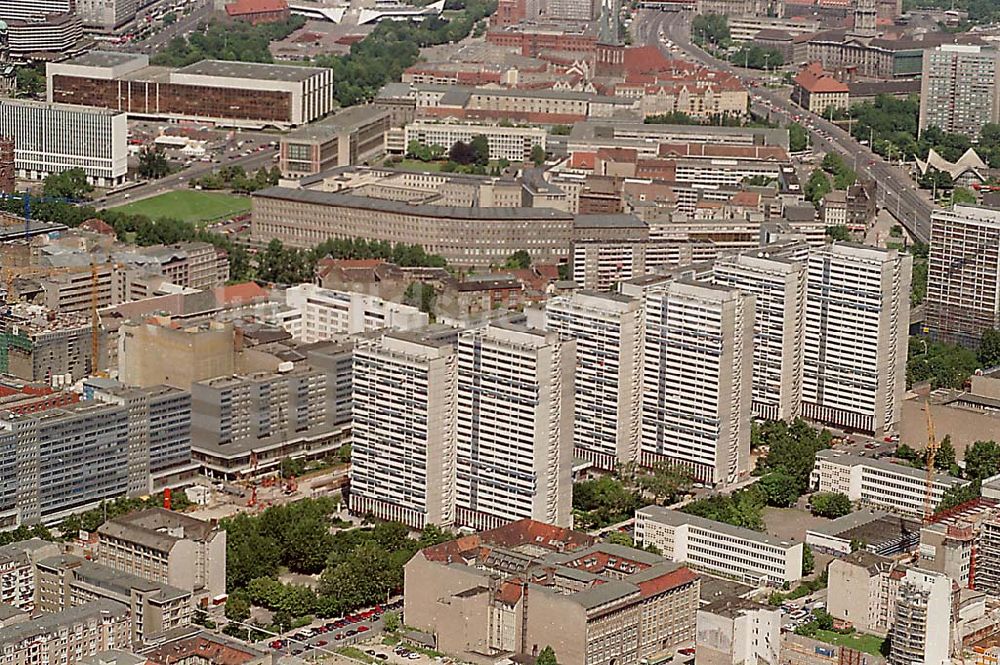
963, 276
608, 329
857, 318
51, 138
779, 324
959, 88
403, 431
922, 621
697, 379
515, 424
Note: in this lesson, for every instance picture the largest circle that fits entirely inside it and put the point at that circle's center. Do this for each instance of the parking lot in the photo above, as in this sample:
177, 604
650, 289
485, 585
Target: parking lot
326, 636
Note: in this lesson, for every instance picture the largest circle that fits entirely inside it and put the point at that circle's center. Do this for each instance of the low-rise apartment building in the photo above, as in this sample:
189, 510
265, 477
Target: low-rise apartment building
156, 609
527, 585
890, 486
17, 571
717, 547
67, 636
167, 547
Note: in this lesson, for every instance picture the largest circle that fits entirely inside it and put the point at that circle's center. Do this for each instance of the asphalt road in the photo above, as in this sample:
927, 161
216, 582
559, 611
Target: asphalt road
184, 24
896, 191
181, 179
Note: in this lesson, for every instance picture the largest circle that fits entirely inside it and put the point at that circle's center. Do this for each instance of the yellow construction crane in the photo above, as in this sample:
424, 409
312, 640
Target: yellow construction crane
932, 449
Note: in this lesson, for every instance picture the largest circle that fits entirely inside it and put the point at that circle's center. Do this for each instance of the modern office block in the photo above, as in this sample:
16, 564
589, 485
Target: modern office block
515, 426
857, 318
717, 547
779, 285
325, 313
697, 372
52, 138
608, 329
895, 487
963, 274
403, 430
959, 88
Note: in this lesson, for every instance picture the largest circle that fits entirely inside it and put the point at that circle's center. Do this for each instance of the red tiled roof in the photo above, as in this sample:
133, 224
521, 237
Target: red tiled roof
239, 293
245, 7
98, 226
509, 592
814, 79
671, 580
203, 649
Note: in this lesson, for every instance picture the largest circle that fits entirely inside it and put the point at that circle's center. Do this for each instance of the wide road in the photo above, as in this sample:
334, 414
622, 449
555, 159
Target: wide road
184, 24
896, 191
182, 179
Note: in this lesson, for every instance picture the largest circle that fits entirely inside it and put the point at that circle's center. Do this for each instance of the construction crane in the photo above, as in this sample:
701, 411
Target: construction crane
932, 450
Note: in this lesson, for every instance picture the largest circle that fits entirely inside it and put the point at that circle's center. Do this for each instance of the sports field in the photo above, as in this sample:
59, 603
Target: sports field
189, 205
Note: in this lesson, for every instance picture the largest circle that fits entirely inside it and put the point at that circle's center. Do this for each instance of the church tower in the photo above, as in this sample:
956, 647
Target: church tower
610, 52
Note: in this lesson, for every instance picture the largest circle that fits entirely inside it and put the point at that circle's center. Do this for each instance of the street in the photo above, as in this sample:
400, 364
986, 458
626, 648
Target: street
896, 190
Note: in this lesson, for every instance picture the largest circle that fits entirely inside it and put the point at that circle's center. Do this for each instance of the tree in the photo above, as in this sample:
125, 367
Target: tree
808, 560
519, 260
601, 502
292, 466
537, 154
462, 153
830, 504
70, 184
945, 459
780, 489
665, 481
420, 295
838, 233
956, 496
29, 82
238, 606
989, 349
817, 186
547, 657
480, 146
798, 137
390, 622
982, 460
792, 449
710, 29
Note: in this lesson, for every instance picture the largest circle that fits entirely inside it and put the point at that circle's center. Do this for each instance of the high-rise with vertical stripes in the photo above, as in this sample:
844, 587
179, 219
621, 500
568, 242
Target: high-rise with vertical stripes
514, 426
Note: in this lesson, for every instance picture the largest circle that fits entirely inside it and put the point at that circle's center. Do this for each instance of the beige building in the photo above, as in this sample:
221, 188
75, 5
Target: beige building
738, 632
862, 590
67, 636
67, 582
465, 236
157, 352
350, 136
166, 547
17, 571
514, 590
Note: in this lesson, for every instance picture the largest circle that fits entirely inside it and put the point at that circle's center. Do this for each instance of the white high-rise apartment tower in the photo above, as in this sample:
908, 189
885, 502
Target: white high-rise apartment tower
697, 379
963, 280
857, 319
779, 322
403, 431
608, 329
515, 426
960, 88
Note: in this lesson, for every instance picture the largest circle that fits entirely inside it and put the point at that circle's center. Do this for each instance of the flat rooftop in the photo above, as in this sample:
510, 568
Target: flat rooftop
346, 119
105, 59
250, 70
677, 518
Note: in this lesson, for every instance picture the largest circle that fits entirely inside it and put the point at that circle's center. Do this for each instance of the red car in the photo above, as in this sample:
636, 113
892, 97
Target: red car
362, 629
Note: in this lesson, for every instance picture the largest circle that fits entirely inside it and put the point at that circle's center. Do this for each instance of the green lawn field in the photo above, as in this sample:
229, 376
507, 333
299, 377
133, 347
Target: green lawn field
860, 641
189, 205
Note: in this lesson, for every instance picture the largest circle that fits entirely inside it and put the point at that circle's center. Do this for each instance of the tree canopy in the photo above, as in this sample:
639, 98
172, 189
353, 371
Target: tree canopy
830, 504
70, 184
